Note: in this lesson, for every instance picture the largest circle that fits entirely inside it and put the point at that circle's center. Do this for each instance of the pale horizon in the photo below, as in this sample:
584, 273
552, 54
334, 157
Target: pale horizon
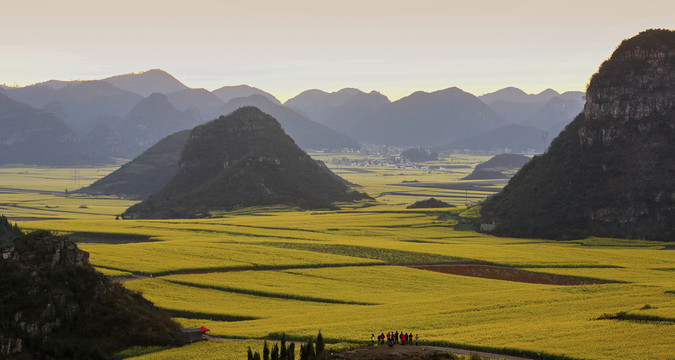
284, 48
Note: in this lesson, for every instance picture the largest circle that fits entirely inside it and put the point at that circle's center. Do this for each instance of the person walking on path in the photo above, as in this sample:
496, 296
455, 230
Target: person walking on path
396, 337
372, 339
417, 338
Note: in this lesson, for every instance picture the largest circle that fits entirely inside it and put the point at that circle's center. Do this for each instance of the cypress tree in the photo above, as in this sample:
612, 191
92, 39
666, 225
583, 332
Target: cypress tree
256, 356
249, 354
283, 353
266, 351
291, 351
303, 352
320, 346
311, 355
275, 352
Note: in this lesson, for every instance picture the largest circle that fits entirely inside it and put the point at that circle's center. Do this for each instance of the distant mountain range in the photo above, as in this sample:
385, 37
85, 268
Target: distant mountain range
422, 118
81, 101
115, 118
450, 119
147, 82
547, 111
34, 136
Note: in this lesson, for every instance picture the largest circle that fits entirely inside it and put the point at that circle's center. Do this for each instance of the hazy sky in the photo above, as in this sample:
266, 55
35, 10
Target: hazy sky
287, 46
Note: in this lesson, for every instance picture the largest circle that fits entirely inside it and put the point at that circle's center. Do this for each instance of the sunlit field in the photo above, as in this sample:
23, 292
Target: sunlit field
32, 193
260, 272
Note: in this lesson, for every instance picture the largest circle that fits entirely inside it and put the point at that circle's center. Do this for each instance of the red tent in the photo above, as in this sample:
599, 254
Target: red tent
204, 329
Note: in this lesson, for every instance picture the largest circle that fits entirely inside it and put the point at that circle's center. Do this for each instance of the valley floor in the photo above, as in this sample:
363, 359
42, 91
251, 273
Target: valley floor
261, 272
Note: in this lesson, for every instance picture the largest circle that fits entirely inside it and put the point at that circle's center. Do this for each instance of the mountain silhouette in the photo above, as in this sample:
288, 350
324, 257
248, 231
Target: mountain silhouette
227, 93
348, 111
36, 137
548, 111
150, 120
147, 82
82, 101
434, 118
206, 103
307, 134
420, 119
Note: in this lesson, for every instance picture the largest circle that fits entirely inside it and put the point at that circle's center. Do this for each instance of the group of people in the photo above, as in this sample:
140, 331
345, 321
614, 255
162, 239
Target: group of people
394, 338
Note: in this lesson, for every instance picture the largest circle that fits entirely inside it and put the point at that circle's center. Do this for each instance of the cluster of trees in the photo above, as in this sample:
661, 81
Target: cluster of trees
8, 231
418, 154
429, 203
312, 350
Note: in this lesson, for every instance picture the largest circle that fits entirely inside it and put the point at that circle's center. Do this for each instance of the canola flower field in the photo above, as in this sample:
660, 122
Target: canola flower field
260, 272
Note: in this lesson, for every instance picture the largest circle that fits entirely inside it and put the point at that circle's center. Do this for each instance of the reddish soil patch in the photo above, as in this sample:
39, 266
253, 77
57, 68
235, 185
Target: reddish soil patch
509, 274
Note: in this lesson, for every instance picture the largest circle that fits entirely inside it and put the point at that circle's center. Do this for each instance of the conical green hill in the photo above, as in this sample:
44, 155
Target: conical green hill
240, 160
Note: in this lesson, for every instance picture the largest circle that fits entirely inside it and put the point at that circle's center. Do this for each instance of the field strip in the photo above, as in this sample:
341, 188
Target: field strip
401, 193
28, 191
486, 271
258, 227
390, 256
509, 274
188, 314
238, 269
486, 186
268, 294
230, 233
49, 210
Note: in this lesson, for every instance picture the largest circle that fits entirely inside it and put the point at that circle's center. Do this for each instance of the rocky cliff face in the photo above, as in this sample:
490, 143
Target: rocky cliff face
633, 92
46, 255
611, 171
54, 305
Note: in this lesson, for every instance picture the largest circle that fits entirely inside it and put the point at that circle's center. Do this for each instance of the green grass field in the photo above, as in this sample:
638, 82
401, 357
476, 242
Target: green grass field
260, 272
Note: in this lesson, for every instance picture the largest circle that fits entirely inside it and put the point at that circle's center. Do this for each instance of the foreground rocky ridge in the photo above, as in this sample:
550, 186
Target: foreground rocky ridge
609, 173
55, 306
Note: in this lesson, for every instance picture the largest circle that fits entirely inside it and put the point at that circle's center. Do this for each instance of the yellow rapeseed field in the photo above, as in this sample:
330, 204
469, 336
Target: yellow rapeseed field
259, 272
